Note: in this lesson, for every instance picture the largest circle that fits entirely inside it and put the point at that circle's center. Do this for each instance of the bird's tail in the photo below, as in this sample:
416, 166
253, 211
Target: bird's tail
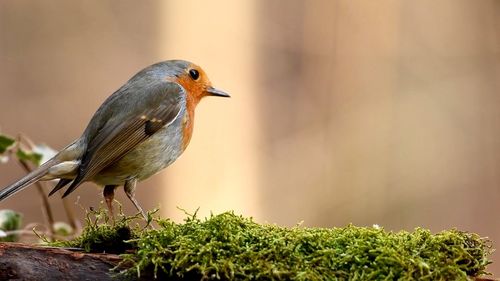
28, 179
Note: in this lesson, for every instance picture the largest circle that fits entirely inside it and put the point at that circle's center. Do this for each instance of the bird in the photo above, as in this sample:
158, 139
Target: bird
140, 129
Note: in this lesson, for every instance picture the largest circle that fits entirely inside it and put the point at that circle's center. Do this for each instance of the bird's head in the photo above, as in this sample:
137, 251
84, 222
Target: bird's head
193, 79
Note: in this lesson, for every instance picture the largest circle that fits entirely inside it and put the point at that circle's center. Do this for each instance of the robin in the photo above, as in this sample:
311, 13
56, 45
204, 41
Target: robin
140, 129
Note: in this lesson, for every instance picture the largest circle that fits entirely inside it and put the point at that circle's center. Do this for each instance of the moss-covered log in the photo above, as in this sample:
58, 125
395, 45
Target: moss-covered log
231, 247
31, 262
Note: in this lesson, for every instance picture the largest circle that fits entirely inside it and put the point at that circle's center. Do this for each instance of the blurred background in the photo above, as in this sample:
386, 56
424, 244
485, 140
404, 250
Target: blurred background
364, 112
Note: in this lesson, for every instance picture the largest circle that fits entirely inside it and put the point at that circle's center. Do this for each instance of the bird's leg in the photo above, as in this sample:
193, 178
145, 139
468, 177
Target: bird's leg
129, 188
109, 196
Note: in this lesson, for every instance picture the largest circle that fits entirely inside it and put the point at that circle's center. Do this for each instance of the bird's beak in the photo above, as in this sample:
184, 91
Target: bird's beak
216, 92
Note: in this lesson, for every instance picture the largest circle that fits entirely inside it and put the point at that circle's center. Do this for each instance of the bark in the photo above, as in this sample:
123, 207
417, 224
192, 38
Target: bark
31, 262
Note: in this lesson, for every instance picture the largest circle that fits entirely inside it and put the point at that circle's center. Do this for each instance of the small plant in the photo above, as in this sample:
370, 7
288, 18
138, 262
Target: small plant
30, 155
10, 223
26, 152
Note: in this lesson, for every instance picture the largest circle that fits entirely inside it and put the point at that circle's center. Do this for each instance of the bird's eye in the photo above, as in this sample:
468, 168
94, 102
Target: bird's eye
194, 74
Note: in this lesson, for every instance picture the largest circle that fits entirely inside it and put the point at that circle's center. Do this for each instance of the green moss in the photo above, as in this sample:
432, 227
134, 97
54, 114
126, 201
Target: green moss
231, 247
100, 235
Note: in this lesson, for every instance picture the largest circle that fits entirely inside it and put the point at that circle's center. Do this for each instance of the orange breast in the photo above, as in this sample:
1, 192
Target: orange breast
193, 96
187, 128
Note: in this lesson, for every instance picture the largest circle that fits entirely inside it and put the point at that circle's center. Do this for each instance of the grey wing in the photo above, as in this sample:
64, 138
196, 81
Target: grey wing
154, 109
